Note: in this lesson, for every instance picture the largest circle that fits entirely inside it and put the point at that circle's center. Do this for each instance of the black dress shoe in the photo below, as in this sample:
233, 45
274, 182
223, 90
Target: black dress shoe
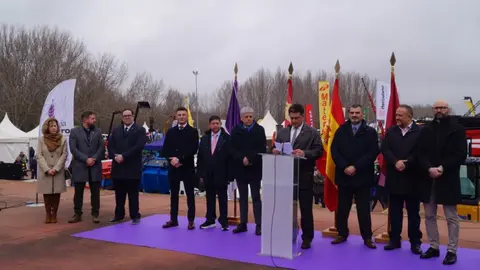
135, 221
191, 225
240, 228
115, 220
170, 224
416, 249
339, 240
306, 244
392, 246
369, 243
95, 220
258, 229
450, 258
430, 253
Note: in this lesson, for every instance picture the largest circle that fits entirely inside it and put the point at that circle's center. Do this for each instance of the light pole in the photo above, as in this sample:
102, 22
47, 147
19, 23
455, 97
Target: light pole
195, 73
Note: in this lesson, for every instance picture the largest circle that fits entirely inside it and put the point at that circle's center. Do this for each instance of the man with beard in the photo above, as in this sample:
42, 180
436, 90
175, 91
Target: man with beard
354, 150
399, 151
442, 150
248, 140
180, 147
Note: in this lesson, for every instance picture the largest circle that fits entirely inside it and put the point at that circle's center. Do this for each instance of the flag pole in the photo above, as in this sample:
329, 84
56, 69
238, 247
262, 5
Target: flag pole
332, 231
235, 220
385, 237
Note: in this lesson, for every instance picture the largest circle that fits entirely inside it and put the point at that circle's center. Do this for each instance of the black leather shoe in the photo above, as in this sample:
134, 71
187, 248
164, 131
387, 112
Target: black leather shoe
115, 220
306, 244
135, 221
258, 230
430, 253
339, 240
369, 243
450, 258
170, 224
392, 246
416, 249
240, 228
95, 220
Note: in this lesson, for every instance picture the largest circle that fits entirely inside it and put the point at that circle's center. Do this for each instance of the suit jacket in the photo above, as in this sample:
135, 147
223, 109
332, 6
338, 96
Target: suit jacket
130, 145
308, 140
215, 168
82, 148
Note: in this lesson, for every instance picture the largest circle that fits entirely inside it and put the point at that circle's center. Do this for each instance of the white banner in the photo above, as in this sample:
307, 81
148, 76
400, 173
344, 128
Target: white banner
382, 99
59, 104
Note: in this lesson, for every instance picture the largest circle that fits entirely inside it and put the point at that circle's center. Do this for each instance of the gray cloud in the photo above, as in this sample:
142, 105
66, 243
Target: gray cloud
436, 41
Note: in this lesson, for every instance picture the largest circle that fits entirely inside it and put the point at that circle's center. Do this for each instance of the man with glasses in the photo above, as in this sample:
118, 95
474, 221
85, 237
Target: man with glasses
125, 148
442, 149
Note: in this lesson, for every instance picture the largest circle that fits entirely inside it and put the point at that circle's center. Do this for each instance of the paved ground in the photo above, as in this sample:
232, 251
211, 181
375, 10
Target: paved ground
27, 243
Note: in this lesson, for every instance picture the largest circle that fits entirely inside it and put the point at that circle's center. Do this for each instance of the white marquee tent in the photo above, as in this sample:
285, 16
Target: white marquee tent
269, 124
12, 141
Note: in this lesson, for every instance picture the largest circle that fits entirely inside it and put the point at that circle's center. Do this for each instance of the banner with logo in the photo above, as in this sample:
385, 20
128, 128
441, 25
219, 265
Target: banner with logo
323, 107
59, 104
309, 115
382, 97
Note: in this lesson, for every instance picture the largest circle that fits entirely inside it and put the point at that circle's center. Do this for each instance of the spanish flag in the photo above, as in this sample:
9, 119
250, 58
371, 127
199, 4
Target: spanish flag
189, 114
336, 118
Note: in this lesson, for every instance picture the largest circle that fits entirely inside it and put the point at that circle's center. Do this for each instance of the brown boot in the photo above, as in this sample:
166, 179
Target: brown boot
55, 204
47, 200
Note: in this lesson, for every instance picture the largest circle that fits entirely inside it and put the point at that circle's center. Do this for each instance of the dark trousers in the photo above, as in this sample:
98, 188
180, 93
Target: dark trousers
189, 185
124, 188
362, 201
306, 212
257, 202
213, 190
395, 210
94, 197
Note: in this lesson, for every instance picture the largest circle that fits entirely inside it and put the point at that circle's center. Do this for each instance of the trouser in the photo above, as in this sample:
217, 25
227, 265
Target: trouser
453, 225
174, 182
362, 201
213, 190
257, 202
94, 198
305, 197
395, 210
124, 188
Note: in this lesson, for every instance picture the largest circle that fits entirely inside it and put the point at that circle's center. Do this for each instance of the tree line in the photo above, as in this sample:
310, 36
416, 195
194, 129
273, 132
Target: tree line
34, 60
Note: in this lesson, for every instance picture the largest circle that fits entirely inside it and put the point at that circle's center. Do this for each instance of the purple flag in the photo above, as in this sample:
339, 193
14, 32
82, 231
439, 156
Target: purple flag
233, 113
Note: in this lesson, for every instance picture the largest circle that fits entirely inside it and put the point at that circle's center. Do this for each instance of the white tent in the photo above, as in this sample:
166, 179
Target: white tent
33, 133
269, 124
12, 141
9, 130
145, 126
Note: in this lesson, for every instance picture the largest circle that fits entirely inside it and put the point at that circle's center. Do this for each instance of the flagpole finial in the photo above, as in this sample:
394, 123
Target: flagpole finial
235, 69
337, 67
393, 60
290, 69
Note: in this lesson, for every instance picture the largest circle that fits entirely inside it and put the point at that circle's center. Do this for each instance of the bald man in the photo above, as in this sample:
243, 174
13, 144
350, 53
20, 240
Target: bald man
442, 149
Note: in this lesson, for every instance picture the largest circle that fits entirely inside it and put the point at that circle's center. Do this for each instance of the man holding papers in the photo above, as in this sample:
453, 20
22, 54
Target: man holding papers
303, 141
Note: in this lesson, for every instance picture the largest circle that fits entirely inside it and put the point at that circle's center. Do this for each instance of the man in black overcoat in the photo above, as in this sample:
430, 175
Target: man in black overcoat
442, 149
125, 148
399, 152
214, 162
354, 150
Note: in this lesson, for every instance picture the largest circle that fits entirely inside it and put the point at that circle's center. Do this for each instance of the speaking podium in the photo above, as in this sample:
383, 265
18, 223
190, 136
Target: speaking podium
280, 206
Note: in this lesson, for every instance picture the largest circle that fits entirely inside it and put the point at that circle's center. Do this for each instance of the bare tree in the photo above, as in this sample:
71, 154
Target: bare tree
256, 91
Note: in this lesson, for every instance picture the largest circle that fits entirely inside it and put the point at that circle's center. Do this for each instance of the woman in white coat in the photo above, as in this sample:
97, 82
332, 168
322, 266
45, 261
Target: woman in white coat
51, 156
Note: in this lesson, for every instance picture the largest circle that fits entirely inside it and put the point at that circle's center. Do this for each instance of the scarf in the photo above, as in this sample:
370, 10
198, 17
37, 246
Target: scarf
52, 140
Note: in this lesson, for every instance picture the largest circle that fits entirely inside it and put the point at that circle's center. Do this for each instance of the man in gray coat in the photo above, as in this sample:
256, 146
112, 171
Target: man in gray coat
87, 147
306, 143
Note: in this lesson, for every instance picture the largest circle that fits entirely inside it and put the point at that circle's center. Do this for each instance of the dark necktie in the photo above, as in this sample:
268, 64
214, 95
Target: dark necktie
355, 130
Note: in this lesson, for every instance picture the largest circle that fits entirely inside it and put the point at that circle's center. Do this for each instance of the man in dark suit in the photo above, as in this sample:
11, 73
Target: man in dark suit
180, 147
354, 150
125, 148
399, 151
248, 140
214, 170
442, 149
87, 147
306, 143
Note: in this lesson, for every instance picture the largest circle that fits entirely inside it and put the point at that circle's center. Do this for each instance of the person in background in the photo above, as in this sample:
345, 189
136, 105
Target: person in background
214, 162
442, 149
51, 158
180, 147
399, 152
32, 162
248, 140
306, 143
125, 149
354, 150
87, 148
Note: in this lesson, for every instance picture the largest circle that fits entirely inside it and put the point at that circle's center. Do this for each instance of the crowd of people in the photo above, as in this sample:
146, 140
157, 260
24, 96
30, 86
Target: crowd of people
423, 164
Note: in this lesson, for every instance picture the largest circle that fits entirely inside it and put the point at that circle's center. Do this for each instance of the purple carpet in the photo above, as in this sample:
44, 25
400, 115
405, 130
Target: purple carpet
245, 248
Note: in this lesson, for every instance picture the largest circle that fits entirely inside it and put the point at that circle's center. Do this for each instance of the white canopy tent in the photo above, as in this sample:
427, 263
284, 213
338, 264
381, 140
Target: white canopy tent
269, 124
32, 135
12, 141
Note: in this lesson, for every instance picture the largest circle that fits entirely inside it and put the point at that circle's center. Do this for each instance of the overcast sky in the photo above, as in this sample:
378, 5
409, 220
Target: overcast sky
436, 42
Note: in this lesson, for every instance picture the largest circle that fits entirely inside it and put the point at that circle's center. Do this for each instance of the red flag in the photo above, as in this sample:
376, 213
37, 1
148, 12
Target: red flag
309, 115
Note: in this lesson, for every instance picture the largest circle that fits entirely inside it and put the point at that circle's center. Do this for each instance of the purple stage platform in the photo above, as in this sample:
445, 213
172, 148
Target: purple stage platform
245, 248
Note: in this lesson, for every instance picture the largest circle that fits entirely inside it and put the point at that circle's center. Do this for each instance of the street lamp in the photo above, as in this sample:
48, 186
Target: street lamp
195, 73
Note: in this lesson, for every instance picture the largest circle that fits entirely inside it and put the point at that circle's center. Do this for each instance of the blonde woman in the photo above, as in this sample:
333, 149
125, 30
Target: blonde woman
51, 157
